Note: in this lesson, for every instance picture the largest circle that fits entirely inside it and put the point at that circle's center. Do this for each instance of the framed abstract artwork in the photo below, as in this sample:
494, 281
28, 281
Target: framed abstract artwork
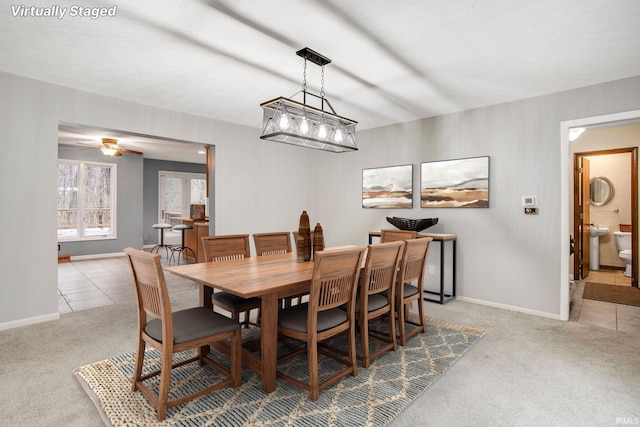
388, 187
459, 183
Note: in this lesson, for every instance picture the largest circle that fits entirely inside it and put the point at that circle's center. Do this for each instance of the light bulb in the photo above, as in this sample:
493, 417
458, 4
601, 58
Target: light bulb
304, 123
322, 129
338, 136
284, 121
322, 132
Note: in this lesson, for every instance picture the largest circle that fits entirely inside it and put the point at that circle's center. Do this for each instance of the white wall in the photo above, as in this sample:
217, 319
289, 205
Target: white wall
504, 257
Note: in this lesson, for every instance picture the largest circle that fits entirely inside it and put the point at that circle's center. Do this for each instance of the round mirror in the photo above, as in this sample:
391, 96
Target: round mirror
601, 191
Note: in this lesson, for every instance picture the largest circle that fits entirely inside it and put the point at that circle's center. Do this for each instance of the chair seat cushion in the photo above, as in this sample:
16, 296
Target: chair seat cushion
295, 318
191, 324
409, 290
376, 302
234, 301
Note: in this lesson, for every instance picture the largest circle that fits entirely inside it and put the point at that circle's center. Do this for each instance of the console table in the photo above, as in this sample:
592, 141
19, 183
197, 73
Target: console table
442, 297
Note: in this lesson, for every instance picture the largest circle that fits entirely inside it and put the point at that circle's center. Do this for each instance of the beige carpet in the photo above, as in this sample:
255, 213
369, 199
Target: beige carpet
628, 295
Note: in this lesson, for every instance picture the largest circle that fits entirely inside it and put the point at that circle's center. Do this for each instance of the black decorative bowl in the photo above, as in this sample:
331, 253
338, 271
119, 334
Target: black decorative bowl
412, 224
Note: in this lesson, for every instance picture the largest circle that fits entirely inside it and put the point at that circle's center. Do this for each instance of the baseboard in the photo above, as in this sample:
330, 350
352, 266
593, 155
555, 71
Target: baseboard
96, 256
510, 308
29, 321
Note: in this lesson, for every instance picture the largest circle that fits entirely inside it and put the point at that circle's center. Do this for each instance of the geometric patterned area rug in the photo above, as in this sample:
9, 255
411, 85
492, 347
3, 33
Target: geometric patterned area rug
628, 295
372, 398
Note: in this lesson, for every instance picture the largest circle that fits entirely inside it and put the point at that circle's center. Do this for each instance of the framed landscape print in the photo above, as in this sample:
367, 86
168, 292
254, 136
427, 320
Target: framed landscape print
388, 187
460, 183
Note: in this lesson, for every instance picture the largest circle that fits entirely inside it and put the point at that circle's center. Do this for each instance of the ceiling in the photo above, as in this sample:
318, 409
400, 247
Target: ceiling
393, 61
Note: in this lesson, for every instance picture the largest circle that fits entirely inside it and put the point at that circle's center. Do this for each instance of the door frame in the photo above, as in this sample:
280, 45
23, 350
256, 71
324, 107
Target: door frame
633, 151
566, 186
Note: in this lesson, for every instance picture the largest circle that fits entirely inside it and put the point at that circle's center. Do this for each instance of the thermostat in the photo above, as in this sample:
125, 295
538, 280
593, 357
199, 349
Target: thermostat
529, 201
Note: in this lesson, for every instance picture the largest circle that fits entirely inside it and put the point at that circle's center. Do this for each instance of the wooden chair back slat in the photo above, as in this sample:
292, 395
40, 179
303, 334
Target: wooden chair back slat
272, 243
382, 265
151, 288
387, 236
334, 275
226, 248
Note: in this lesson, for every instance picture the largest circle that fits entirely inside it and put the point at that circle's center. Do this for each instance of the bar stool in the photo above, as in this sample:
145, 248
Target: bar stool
156, 248
182, 248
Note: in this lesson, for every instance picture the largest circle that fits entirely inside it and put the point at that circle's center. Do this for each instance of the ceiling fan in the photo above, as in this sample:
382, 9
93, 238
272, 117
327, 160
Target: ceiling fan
110, 147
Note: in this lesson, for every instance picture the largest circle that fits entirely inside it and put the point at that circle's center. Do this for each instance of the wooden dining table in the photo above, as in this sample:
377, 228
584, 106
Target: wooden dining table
268, 277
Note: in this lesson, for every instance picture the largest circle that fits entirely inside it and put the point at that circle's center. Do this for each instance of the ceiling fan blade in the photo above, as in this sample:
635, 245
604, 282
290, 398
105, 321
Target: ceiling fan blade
126, 150
88, 144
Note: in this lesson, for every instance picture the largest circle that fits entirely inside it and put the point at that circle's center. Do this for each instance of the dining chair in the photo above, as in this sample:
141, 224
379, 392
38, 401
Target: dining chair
387, 236
272, 243
410, 286
376, 297
170, 333
333, 284
225, 248
275, 243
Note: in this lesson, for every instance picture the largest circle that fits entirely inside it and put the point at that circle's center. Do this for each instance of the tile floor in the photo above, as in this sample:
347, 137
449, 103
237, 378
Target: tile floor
97, 282
93, 283
620, 317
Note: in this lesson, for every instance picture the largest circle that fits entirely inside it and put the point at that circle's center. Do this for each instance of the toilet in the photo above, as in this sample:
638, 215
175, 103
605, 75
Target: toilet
623, 244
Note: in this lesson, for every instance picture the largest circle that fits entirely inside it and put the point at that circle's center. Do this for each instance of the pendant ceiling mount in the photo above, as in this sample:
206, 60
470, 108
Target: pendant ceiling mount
299, 123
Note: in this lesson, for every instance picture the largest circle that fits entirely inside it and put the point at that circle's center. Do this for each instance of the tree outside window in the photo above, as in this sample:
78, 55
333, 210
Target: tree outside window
86, 200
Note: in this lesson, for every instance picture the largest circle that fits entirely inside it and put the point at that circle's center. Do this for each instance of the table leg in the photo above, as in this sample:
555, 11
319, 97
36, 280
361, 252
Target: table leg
269, 341
205, 301
205, 296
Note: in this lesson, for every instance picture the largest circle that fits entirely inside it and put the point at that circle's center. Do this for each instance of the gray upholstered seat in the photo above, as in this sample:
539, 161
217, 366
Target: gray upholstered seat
409, 290
226, 299
296, 318
192, 324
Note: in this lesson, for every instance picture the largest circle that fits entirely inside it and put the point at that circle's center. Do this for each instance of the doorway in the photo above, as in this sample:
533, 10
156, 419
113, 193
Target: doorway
566, 192
177, 191
605, 198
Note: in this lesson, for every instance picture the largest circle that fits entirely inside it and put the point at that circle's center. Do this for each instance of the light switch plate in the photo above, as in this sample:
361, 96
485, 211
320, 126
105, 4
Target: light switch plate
529, 201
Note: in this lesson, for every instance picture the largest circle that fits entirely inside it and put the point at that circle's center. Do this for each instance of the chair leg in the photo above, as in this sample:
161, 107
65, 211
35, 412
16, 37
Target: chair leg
421, 314
137, 373
364, 338
401, 326
353, 357
165, 382
392, 331
312, 354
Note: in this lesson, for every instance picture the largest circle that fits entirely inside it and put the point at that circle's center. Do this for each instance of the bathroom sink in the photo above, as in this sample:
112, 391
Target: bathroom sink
594, 253
598, 231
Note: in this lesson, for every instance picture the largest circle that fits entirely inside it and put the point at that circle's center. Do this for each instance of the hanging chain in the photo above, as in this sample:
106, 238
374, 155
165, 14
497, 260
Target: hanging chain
322, 83
304, 76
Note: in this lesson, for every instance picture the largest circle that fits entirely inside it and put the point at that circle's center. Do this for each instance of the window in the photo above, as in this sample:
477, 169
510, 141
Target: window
86, 200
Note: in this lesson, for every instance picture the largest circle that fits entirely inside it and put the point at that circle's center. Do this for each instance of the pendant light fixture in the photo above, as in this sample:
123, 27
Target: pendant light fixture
298, 123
